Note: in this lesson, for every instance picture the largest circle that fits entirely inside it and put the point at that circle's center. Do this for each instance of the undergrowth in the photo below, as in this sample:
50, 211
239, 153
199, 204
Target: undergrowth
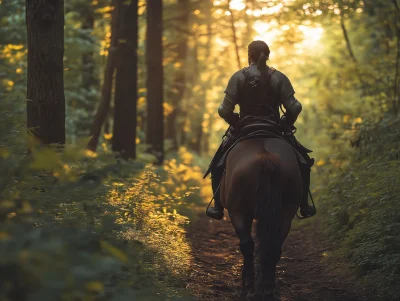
361, 208
76, 225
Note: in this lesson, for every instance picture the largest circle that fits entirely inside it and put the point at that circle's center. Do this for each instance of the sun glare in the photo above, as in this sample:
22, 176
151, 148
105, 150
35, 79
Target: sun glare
237, 5
312, 35
266, 31
270, 31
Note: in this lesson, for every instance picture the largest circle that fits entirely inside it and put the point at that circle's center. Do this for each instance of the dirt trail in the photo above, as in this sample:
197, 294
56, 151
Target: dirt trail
216, 272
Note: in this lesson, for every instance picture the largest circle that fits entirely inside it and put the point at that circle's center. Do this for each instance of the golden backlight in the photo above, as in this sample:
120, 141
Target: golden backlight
269, 31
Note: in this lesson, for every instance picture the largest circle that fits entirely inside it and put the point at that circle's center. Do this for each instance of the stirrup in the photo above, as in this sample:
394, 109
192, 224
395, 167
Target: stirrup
308, 211
215, 213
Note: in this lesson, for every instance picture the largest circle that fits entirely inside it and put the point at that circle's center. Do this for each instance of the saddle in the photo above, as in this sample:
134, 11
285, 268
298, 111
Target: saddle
252, 127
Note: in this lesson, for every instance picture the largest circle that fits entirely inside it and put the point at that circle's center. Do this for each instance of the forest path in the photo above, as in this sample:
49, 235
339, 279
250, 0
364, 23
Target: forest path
216, 271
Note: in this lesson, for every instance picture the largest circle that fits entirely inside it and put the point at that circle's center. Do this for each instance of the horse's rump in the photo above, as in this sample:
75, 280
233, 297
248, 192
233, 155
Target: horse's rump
273, 158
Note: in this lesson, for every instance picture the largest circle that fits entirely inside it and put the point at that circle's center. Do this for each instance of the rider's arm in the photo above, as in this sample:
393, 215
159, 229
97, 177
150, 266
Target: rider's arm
292, 105
227, 108
293, 109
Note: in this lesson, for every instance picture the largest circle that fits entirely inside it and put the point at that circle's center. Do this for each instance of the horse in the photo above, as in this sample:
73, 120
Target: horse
262, 182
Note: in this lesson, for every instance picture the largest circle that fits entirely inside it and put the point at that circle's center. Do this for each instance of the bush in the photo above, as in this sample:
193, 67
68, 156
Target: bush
75, 225
361, 205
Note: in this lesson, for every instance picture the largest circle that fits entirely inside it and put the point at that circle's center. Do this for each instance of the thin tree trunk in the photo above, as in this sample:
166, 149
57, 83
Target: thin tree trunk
124, 130
199, 145
396, 77
249, 20
234, 37
195, 142
45, 86
364, 85
346, 38
89, 79
155, 78
177, 91
106, 92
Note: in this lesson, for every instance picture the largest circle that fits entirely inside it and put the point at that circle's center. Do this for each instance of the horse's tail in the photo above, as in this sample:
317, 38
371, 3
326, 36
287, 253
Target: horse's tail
269, 211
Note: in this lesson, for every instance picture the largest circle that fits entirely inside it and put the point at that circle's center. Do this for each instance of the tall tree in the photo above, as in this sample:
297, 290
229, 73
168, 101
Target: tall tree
177, 91
199, 142
234, 36
125, 104
45, 86
155, 79
89, 78
106, 93
88, 96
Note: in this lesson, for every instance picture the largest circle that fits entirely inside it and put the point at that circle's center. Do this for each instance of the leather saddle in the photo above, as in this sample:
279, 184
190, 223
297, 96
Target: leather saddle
254, 128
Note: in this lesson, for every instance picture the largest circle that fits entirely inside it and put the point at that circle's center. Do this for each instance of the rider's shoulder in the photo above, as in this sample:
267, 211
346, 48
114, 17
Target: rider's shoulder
277, 75
239, 75
275, 71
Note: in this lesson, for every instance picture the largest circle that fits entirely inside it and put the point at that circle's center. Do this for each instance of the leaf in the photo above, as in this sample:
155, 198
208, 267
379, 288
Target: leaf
46, 159
113, 251
4, 235
95, 286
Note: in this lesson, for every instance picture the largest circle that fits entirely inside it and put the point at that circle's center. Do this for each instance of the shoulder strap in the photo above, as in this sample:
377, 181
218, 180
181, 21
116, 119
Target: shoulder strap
249, 77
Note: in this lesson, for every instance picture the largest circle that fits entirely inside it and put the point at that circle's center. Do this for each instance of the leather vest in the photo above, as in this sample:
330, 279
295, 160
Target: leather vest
257, 98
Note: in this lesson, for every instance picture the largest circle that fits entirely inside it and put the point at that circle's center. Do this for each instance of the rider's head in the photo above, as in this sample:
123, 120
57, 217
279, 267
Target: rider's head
255, 49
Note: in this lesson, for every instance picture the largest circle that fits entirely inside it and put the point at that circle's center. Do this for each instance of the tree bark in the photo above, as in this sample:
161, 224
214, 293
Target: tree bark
346, 38
155, 79
106, 92
124, 130
177, 91
234, 37
45, 85
396, 77
200, 143
89, 80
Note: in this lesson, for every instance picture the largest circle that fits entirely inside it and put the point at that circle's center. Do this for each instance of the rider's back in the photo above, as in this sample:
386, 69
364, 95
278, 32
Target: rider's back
246, 86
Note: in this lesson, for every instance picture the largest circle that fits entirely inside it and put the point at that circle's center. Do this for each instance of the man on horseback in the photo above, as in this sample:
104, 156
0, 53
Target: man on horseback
259, 91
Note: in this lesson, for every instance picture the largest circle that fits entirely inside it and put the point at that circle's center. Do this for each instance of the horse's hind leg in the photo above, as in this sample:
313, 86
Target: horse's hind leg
243, 224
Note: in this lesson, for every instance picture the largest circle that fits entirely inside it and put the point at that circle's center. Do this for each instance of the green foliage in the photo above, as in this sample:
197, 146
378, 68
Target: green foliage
361, 206
79, 226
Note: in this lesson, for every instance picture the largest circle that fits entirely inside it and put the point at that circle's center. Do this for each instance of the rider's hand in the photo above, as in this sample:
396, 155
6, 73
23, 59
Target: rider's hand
235, 119
286, 125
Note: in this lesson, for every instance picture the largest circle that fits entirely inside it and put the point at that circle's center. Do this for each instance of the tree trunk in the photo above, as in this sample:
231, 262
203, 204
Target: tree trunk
200, 144
106, 92
177, 91
155, 78
195, 142
124, 130
45, 86
234, 37
89, 79
248, 34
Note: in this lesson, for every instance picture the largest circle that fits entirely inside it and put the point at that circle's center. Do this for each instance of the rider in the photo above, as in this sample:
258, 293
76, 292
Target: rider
280, 92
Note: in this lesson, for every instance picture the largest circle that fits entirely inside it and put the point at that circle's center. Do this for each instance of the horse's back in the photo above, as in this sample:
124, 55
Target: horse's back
243, 167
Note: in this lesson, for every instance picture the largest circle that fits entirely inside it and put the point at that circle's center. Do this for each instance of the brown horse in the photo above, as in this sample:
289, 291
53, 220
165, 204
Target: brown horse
262, 181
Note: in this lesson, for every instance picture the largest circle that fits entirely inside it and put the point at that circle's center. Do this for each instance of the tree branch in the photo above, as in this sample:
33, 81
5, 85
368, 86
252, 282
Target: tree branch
346, 37
234, 37
396, 5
